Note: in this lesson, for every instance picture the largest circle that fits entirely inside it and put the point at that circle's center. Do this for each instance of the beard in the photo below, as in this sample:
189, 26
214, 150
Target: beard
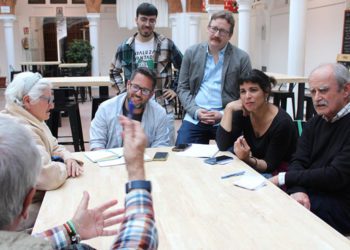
140, 105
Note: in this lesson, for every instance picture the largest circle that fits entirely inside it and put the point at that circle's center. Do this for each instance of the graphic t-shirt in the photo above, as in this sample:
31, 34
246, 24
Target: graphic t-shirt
144, 53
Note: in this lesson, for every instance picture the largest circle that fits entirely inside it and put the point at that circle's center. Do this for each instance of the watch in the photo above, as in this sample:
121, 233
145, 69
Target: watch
138, 185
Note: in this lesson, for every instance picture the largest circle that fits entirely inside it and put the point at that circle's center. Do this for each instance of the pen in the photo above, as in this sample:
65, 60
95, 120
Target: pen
215, 154
131, 109
233, 174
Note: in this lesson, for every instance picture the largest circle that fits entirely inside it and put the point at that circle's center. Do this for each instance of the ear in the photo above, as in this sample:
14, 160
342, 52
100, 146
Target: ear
26, 101
26, 203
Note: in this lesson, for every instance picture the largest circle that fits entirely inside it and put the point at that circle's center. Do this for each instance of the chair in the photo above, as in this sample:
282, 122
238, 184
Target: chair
280, 97
310, 110
71, 107
14, 73
299, 124
97, 100
73, 70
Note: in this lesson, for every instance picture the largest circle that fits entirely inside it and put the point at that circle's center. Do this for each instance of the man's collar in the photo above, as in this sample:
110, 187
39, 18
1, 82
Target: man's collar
341, 113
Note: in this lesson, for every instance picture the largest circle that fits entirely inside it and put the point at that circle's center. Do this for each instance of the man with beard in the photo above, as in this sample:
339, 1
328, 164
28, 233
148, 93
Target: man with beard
105, 130
149, 49
209, 80
318, 175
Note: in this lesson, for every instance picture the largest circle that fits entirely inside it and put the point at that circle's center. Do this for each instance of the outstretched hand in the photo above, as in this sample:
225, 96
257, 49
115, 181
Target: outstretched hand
135, 141
91, 223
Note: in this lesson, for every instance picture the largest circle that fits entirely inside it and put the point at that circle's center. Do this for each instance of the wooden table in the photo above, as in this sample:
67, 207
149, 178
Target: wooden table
80, 81
300, 80
33, 66
196, 209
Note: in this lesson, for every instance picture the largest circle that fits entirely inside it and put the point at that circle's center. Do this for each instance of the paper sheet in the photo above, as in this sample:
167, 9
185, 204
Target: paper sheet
200, 150
250, 181
104, 154
119, 161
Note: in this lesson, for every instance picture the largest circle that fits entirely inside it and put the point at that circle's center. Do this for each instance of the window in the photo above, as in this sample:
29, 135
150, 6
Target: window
36, 1
58, 1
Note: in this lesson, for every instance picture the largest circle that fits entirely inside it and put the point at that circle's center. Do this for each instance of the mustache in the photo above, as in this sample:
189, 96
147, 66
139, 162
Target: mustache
216, 39
321, 103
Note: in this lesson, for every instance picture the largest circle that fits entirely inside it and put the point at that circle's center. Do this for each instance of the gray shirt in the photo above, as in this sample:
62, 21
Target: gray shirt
105, 130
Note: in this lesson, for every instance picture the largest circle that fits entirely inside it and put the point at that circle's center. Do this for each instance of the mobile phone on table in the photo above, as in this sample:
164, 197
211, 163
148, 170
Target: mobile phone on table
218, 160
160, 156
181, 147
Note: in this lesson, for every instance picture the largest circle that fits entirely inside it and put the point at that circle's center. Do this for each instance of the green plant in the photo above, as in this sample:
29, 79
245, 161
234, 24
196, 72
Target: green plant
79, 51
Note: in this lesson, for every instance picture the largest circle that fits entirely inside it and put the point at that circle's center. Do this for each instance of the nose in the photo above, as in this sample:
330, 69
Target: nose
317, 96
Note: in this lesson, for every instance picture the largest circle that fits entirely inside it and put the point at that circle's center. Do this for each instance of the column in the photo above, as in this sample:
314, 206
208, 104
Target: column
9, 41
186, 29
296, 48
244, 24
94, 23
296, 42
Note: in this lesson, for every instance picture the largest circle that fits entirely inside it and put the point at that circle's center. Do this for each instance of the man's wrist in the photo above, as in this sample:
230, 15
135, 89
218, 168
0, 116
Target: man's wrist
281, 178
138, 184
137, 174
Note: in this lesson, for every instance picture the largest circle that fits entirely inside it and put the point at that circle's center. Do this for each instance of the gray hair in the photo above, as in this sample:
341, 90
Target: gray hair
26, 83
20, 164
341, 73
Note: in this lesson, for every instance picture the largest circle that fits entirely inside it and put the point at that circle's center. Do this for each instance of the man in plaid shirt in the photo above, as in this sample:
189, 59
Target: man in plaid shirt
149, 49
20, 165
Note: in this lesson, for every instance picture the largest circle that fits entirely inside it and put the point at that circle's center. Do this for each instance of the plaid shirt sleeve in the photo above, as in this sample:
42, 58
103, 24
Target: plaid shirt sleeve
57, 236
138, 230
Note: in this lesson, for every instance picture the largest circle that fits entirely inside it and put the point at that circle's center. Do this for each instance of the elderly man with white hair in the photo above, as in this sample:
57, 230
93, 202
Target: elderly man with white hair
318, 175
29, 101
19, 167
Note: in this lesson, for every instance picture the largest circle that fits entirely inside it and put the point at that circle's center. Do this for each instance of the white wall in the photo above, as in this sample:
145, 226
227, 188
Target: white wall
324, 33
324, 25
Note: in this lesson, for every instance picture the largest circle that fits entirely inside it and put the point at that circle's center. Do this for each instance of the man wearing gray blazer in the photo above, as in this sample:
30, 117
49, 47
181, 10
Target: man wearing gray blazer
209, 80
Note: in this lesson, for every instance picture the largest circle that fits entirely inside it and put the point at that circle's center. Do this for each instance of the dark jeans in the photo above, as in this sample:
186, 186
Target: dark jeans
191, 133
332, 209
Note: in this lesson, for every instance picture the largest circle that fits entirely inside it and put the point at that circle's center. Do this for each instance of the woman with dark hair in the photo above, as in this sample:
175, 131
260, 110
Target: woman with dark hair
261, 134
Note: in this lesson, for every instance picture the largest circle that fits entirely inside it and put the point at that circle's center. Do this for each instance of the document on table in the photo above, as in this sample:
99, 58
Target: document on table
109, 157
200, 150
119, 161
251, 181
104, 154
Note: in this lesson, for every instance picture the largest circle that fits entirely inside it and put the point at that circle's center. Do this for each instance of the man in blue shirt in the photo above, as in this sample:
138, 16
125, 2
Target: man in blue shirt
205, 88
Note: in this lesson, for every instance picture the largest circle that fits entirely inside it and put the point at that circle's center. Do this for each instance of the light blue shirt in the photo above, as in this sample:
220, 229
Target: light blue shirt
209, 94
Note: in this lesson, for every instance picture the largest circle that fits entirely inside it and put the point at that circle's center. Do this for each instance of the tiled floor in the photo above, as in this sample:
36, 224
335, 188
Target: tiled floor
85, 113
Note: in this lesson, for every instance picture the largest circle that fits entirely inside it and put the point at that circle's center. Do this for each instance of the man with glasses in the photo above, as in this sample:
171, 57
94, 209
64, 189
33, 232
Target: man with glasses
105, 130
209, 80
149, 49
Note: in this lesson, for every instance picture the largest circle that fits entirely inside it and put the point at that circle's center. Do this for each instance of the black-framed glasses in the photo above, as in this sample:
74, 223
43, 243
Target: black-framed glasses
135, 88
49, 100
214, 30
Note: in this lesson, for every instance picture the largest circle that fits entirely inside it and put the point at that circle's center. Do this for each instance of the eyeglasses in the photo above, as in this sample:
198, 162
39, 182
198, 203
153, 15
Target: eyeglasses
48, 99
135, 88
214, 30
152, 21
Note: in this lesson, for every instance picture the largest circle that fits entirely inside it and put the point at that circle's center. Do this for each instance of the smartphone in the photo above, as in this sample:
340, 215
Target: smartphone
160, 156
181, 147
218, 160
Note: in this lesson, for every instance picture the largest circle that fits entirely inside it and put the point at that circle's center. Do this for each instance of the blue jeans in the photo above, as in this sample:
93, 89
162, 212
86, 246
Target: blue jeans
191, 133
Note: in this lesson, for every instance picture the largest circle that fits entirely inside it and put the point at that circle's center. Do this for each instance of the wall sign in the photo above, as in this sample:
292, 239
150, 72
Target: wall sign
346, 33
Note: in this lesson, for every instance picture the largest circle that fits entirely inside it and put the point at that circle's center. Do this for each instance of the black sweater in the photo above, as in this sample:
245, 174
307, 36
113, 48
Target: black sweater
321, 168
275, 146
